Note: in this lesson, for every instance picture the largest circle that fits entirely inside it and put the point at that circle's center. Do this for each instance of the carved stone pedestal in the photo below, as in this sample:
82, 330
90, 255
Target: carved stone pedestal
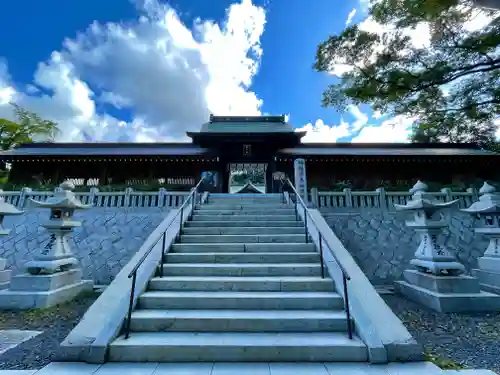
4, 274
40, 291
488, 272
447, 293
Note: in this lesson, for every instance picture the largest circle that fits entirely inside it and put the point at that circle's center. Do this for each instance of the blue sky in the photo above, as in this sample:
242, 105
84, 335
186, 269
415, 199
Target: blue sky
146, 70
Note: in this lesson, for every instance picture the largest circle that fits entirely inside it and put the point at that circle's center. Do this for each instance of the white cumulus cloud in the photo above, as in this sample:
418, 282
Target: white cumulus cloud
394, 130
321, 133
169, 76
350, 16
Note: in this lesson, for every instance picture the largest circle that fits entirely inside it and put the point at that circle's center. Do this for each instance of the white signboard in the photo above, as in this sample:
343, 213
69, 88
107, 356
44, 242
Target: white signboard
299, 166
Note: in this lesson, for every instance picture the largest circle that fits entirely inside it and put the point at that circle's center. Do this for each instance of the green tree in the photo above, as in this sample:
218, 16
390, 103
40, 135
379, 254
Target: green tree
27, 128
450, 87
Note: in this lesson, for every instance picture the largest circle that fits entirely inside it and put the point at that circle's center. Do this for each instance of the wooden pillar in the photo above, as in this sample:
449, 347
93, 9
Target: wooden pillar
271, 168
103, 174
223, 172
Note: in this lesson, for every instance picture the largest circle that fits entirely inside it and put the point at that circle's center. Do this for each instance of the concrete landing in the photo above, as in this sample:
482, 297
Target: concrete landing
274, 368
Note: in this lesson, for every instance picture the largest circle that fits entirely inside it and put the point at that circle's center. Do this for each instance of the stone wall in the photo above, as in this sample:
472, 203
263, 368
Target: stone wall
105, 242
383, 246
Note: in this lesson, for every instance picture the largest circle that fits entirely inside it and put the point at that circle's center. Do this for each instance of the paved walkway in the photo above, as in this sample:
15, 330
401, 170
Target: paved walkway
421, 368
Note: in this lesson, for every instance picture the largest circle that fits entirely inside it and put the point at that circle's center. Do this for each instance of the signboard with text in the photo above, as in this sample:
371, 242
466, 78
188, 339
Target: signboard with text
300, 182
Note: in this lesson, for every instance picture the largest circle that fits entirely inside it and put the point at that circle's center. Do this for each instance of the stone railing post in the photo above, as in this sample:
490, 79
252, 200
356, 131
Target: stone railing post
315, 197
475, 195
382, 198
348, 197
161, 197
447, 193
25, 193
93, 196
126, 197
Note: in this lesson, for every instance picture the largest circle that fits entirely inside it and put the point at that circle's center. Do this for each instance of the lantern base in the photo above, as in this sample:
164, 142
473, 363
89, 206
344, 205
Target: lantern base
50, 266
489, 280
438, 268
41, 291
5, 279
447, 293
4, 274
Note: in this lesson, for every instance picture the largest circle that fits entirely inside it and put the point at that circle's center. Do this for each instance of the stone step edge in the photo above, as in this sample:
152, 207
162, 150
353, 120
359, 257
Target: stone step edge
236, 294
192, 254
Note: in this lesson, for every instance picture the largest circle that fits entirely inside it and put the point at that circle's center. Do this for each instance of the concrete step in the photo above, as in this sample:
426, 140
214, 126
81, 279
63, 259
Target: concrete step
243, 217
242, 269
242, 284
235, 347
243, 248
169, 300
249, 211
242, 257
246, 197
276, 200
238, 321
244, 223
242, 230
243, 238
243, 207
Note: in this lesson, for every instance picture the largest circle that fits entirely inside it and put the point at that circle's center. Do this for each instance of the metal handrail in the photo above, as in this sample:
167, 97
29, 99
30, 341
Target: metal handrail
321, 238
133, 274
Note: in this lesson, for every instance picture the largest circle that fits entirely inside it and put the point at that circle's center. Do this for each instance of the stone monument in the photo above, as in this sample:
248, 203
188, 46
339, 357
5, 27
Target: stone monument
53, 276
6, 209
437, 280
488, 210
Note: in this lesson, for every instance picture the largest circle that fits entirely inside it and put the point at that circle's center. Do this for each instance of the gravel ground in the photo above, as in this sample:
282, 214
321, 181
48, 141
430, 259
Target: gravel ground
55, 322
471, 340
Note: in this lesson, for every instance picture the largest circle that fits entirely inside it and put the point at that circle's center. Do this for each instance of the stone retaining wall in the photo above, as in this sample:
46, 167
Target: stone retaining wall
383, 246
107, 239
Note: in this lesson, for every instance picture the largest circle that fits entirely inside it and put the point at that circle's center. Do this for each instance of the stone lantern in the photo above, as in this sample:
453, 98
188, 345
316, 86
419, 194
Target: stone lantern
487, 209
430, 256
437, 280
57, 254
52, 276
6, 209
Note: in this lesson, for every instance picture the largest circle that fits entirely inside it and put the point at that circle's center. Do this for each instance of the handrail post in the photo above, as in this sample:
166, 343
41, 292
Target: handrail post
305, 224
347, 310
131, 302
296, 209
181, 219
321, 255
164, 243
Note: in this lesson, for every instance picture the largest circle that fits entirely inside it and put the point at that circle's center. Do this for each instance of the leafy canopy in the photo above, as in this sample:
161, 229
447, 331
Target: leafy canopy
450, 85
27, 128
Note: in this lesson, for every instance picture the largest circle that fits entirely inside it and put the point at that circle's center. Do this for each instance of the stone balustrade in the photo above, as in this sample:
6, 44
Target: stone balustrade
126, 198
380, 198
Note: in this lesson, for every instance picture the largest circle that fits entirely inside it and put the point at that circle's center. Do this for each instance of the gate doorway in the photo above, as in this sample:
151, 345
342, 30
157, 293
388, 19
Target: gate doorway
245, 175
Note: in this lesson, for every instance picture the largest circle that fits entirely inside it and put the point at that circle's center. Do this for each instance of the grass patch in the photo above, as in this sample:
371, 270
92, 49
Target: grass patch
443, 363
62, 310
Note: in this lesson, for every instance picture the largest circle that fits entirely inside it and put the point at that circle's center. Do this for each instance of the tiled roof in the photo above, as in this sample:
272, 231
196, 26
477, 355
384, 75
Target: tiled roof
105, 150
382, 151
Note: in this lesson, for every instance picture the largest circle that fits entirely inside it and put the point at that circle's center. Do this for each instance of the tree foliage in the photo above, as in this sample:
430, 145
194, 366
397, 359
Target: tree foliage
450, 87
27, 128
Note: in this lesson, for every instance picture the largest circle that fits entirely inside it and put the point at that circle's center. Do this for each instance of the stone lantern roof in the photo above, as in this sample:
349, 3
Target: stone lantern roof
64, 198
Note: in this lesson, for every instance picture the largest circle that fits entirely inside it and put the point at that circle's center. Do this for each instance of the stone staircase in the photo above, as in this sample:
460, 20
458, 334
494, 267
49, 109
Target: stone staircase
240, 284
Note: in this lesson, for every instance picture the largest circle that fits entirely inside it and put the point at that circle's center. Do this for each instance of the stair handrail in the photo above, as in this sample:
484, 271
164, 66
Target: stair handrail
191, 198
321, 238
